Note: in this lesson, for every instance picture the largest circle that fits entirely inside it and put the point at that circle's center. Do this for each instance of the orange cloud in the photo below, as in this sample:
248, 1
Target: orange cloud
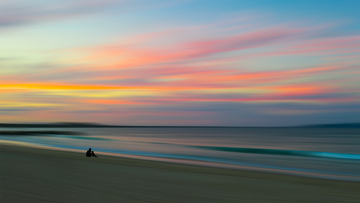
111, 102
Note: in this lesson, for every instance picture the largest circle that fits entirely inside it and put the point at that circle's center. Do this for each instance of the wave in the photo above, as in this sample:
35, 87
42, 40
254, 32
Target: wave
80, 137
283, 152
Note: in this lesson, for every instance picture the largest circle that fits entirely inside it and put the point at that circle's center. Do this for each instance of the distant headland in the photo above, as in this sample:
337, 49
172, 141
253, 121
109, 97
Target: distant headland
55, 125
97, 125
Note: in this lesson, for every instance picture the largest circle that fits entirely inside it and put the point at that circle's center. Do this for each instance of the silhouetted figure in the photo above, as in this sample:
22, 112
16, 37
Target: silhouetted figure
90, 153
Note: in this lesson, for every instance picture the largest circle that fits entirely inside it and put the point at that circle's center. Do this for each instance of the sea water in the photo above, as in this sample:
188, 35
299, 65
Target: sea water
317, 152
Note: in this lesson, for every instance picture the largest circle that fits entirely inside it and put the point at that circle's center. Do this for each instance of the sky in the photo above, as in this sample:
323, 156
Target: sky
180, 63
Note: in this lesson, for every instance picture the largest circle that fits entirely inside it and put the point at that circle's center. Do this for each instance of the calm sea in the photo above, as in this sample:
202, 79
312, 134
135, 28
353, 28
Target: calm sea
318, 152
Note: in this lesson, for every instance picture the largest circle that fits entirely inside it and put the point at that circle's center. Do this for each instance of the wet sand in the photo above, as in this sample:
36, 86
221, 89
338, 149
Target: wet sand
40, 175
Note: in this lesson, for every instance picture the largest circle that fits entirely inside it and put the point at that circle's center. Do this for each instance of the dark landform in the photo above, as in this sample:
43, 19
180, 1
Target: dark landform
97, 125
53, 125
37, 133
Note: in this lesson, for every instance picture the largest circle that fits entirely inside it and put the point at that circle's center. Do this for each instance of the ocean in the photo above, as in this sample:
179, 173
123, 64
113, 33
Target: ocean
332, 153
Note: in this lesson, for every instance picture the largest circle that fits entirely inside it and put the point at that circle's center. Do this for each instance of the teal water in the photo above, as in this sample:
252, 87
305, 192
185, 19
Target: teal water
319, 152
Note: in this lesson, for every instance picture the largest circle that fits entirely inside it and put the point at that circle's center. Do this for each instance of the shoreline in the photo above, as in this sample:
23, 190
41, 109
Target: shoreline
40, 175
197, 162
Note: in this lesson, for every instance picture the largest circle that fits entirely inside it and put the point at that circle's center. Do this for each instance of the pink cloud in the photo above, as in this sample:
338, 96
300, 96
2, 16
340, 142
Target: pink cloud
248, 40
335, 45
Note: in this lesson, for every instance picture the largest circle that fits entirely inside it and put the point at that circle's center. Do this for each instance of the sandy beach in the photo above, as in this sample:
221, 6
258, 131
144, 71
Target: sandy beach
40, 175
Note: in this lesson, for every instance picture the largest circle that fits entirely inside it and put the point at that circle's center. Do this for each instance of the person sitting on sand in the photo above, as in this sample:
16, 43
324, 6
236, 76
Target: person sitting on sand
90, 153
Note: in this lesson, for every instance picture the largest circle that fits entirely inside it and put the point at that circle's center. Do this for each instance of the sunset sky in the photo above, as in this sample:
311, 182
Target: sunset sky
190, 62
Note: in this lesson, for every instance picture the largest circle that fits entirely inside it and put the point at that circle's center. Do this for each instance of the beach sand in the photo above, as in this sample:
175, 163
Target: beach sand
40, 175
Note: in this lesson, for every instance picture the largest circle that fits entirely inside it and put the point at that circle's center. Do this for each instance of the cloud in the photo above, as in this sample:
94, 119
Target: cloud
236, 77
255, 39
129, 55
327, 46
